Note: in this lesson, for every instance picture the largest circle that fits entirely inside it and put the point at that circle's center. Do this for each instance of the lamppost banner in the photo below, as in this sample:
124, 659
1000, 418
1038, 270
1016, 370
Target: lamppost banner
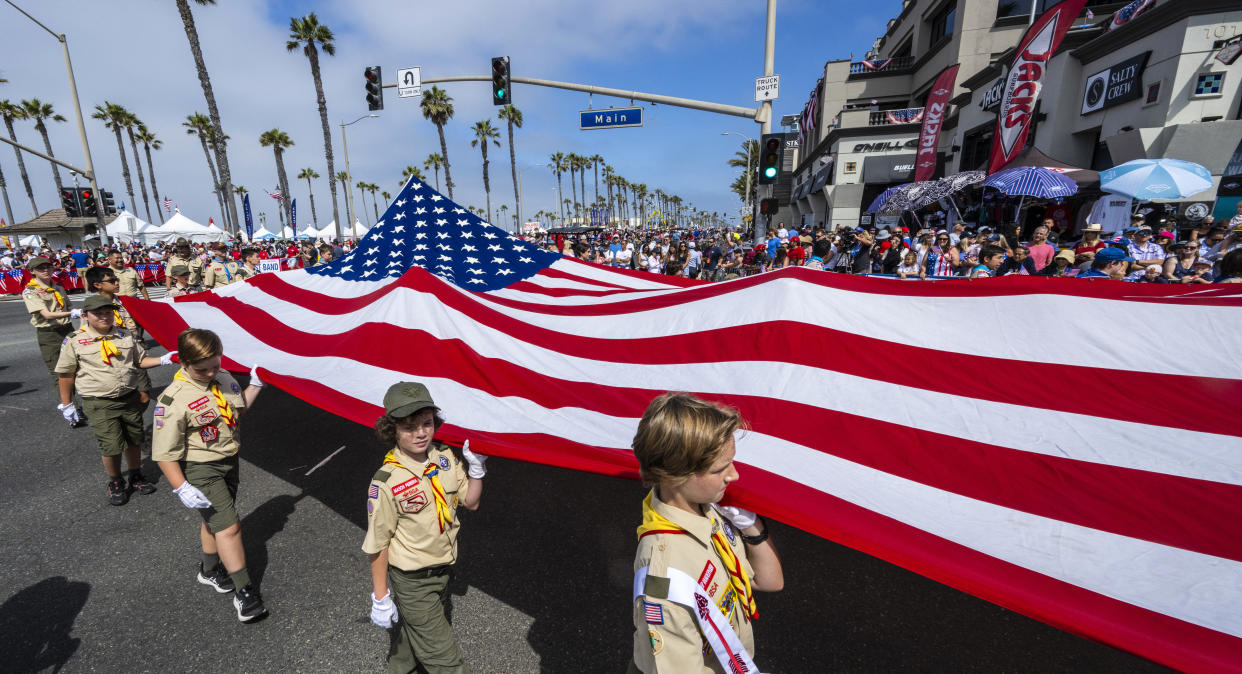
249, 220
933, 119
1026, 80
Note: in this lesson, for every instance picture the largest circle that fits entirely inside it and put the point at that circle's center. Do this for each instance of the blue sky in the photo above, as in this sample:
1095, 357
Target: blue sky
134, 52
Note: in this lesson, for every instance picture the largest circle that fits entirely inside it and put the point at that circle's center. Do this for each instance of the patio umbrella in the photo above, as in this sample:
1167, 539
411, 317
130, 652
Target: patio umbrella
1145, 179
946, 187
908, 197
1032, 181
879, 201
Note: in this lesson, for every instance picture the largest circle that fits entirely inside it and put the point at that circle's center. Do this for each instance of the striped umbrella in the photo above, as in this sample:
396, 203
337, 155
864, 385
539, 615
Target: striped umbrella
879, 201
1032, 181
908, 197
1145, 179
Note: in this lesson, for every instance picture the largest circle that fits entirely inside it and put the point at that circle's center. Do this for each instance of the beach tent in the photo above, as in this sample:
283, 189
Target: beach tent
179, 225
262, 234
127, 228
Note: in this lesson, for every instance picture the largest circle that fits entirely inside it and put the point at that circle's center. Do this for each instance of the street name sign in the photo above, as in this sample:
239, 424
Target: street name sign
409, 82
767, 88
610, 118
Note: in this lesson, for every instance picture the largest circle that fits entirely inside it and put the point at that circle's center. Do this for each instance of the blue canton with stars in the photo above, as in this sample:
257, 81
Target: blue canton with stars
422, 228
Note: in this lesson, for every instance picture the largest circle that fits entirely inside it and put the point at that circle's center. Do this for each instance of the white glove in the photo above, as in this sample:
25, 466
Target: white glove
254, 377
70, 413
742, 519
383, 611
168, 358
477, 470
75, 313
191, 496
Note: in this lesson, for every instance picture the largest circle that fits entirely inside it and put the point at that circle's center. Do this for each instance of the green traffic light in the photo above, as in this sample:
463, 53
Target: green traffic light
769, 172
500, 93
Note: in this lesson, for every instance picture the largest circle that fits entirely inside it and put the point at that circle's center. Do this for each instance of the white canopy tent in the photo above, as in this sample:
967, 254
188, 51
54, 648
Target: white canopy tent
262, 234
179, 225
128, 227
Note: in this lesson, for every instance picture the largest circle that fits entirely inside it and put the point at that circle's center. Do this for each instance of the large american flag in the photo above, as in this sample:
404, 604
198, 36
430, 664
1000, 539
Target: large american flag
1065, 448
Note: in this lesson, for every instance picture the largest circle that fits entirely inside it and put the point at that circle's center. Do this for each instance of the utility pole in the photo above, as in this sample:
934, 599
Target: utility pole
765, 110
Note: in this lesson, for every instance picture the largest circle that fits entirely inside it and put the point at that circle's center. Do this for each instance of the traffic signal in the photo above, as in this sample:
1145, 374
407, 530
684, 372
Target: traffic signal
768, 206
109, 204
90, 208
502, 87
771, 156
69, 202
375, 88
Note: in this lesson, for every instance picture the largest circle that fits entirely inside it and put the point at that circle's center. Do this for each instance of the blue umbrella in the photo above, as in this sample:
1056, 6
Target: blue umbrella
879, 201
1032, 181
1145, 179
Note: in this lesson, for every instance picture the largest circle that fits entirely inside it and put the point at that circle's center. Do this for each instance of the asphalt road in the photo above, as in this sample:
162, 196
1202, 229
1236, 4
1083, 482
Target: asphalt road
543, 583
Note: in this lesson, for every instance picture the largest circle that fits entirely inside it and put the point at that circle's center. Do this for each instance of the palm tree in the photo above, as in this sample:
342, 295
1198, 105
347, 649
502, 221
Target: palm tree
747, 159
434, 161
311, 36
279, 140
437, 106
10, 111
483, 132
514, 117
411, 172
225, 181
308, 173
596, 162
584, 163
362, 191
39, 111
149, 141
572, 162
504, 208
373, 188
557, 164
387, 198
343, 178
131, 121
199, 125
115, 118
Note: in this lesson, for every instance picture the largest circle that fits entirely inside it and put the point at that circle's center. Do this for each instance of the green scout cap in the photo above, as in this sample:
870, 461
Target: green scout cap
97, 302
182, 241
36, 262
406, 398
179, 270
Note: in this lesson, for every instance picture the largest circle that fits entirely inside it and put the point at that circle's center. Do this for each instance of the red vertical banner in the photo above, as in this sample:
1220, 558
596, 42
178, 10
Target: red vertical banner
933, 119
1026, 80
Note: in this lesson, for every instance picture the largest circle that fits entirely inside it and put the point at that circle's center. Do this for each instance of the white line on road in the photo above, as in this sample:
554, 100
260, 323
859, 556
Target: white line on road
338, 451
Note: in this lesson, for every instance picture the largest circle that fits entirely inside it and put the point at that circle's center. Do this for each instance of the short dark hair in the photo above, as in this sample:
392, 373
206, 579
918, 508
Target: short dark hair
989, 251
96, 274
247, 252
386, 427
1231, 264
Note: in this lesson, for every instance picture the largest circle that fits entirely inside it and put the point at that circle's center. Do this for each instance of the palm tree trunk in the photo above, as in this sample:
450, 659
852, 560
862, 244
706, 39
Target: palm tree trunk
597, 181
487, 188
314, 216
129, 183
437, 171
582, 179
48, 144
4, 190
21, 167
142, 181
313, 55
558, 192
573, 187
215, 182
448, 180
155, 191
375, 205
517, 198
286, 203
222, 157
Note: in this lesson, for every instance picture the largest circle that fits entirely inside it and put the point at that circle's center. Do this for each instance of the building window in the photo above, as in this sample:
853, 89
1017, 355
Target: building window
1153, 94
1209, 84
942, 23
851, 167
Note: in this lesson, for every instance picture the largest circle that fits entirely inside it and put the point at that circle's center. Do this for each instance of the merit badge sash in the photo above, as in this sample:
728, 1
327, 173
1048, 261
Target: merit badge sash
726, 646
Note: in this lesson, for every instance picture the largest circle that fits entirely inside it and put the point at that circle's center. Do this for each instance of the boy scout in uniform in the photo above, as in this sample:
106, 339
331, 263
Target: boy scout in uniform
250, 263
48, 304
179, 274
129, 283
102, 362
103, 280
698, 564
183, 255
196, 443
220, 271
412, 530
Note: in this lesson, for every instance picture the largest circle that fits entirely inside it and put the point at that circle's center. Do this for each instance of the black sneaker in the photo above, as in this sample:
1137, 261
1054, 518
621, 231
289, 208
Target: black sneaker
217, 578
140, 484
249, 604
117, 494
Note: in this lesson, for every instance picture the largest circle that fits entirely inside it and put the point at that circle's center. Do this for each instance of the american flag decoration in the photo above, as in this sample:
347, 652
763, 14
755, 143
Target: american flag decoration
276, 195
654, 613
1112, 515
807, 120
905, 116
167, 205
876, 64
1127, 13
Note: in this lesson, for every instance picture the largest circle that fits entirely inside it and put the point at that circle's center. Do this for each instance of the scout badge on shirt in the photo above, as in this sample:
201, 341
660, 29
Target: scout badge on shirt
207, 417
444, 462
654, 613
415, 503
209, 433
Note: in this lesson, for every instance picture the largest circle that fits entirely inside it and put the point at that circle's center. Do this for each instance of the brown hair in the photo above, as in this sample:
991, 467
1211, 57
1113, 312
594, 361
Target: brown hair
197, 344
681, 435
386, 427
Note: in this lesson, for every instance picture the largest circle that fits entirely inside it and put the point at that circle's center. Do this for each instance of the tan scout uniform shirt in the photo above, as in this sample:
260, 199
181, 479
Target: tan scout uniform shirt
130, 283
676, 645
401, 511
188, 425
39, 297
194, 264
178, 291
79, 355
215, 276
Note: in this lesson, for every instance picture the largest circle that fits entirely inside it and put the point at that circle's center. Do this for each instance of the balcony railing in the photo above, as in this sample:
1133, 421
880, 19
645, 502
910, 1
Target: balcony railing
903, 116
890, 65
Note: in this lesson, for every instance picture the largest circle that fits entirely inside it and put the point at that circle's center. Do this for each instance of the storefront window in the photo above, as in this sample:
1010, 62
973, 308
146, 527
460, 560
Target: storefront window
942, 23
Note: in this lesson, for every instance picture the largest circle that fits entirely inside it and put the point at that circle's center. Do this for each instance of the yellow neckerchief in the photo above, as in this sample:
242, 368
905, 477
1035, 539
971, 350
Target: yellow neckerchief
226, 410
431, 472
60, 299
106, 348
655, 523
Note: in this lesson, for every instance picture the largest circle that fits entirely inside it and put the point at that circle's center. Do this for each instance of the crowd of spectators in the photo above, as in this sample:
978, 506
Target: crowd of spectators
72, 258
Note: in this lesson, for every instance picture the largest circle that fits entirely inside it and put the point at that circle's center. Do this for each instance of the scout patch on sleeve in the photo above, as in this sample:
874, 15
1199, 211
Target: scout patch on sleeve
159, 410
209, 434
656, 586
728, 531
654, 613
167, 400
657, 642
207, 417
415, 503
235, 389
159, 423
444, 462
408, 484
374, 491
370, 508
84, 342
199, 404
709, 572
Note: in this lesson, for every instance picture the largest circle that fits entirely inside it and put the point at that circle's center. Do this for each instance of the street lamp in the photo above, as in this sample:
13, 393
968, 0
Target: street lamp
349, 186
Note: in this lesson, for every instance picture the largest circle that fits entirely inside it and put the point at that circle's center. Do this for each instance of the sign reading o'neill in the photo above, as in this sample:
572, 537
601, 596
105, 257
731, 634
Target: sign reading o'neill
1115, 85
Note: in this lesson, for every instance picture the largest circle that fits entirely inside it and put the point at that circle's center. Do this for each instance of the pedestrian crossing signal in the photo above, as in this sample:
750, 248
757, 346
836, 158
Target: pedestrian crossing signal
768, 206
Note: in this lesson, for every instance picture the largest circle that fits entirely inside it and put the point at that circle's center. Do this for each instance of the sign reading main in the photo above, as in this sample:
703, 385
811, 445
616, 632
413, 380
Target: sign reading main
1113, 86
610, 118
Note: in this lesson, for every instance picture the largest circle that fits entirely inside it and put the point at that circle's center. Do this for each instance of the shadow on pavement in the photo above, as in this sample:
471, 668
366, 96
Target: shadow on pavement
558, 546
36, 624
